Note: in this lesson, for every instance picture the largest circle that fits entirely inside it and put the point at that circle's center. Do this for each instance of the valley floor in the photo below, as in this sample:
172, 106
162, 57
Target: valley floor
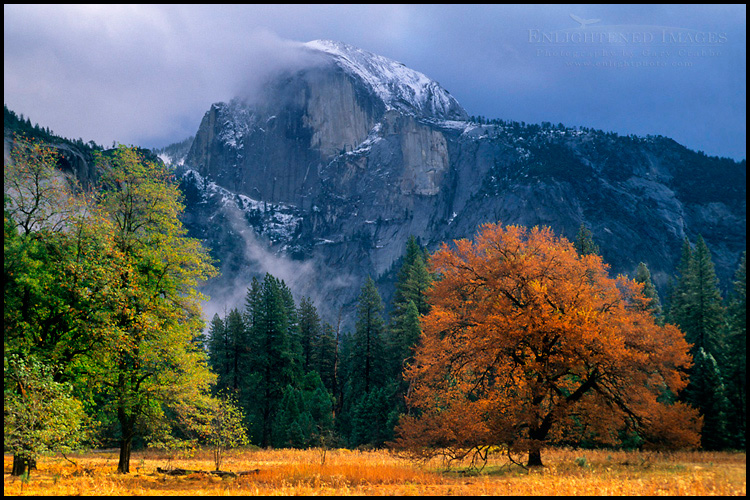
345, 472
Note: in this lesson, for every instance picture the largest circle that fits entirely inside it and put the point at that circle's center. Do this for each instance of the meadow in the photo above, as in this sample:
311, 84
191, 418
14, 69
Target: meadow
378, 472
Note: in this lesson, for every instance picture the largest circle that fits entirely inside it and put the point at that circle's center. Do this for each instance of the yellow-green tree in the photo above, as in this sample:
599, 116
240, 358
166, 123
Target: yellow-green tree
219, 424
155, 311
104, 289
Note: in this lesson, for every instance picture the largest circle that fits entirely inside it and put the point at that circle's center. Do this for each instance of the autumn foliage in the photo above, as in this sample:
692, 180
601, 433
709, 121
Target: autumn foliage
528, 343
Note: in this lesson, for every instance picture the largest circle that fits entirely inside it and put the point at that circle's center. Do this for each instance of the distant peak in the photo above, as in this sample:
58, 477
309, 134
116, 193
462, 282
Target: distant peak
398, 86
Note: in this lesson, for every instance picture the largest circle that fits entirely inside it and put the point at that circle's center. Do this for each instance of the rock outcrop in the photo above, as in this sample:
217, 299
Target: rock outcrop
335, 165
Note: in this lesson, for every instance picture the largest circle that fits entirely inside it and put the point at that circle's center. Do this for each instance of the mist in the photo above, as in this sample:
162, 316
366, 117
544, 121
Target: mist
266, 57
308, 278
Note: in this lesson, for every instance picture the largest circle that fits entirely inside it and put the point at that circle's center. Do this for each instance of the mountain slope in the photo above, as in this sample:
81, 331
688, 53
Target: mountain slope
328, 172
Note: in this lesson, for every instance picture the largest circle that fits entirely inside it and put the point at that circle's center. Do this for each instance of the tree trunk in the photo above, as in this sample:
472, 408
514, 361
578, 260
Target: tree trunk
123, 467
535, 458
21, 465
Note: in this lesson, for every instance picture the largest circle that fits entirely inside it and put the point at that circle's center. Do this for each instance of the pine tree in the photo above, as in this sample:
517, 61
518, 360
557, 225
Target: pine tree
236, 349
404, 335
642, 275
373, 418
703, 313
287, 431
217, 352
678, 299
409, 304
735, 359
669, 294
324, 357
706, 392
368, 353
365, 359
697, 309
413, 280
310, 332
305, 412
293, 328
584, 243
273, 360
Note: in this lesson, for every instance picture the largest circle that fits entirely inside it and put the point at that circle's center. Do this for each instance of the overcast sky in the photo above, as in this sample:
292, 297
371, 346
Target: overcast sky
146, 74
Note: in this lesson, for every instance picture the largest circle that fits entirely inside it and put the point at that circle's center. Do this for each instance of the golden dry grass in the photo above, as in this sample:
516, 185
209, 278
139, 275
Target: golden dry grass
345, 472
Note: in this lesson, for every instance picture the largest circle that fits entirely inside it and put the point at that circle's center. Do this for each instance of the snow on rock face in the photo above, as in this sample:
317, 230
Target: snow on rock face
396, 85
236, 120
275, 221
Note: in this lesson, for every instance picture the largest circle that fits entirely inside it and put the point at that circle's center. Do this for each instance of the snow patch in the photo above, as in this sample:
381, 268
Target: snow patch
396, 85
277, 221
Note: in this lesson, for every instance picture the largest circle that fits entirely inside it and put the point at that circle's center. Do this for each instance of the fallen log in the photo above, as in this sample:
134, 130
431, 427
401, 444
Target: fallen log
220, 473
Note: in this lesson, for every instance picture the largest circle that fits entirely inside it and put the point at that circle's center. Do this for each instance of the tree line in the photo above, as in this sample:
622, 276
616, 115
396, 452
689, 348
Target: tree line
518, 339
301, 381
20, 125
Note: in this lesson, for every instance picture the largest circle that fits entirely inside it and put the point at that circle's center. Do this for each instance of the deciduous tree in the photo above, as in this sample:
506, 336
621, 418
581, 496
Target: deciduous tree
220, 426
526, 336
156, 315
39, 414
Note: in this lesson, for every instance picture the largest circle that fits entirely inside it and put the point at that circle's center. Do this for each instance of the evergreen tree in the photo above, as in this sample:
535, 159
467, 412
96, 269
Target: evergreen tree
409, 304
373, 418
735, 359
584, 243
218, 347
678, 292
364, 355
669, 300
273, 362
310, 332
368, 352
642, 275
324, 357
702, 317
413, 280
292, 424
697, 309
228, 352
305, 412
706, 392
404, 336
293, 327
236, 343
252, 305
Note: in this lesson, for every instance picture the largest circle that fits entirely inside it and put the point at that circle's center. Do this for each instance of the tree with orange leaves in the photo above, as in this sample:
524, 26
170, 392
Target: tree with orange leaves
528, 342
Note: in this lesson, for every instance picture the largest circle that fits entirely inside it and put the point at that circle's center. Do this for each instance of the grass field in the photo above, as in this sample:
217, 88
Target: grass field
345, 472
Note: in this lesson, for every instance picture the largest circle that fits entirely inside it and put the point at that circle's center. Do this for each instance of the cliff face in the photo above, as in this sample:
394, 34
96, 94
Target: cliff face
274, 151
77, 163
334, 166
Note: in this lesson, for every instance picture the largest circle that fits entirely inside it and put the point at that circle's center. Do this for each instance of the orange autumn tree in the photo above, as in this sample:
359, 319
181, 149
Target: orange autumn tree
527, 342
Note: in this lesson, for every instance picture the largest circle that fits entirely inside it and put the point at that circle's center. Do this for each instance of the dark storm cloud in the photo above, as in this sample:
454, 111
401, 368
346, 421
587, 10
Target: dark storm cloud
146, 74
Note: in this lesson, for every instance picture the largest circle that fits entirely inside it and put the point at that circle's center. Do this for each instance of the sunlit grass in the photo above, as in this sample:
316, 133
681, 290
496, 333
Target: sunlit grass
346, 472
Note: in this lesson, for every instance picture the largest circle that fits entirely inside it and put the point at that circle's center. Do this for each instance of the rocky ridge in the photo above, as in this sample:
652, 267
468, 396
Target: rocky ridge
354, 154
